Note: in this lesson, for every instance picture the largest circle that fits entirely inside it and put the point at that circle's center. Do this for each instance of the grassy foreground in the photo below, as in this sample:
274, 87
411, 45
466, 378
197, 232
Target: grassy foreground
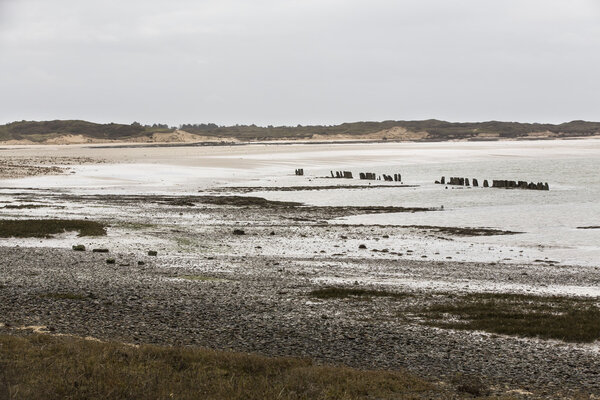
55, 367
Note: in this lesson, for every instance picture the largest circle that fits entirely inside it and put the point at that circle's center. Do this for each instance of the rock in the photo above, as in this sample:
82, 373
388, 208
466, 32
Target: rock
79, 247
100, 251
110, 261
362, 246
238, 232
152, 253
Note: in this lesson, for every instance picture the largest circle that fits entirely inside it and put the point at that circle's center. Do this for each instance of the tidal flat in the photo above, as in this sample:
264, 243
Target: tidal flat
378, 278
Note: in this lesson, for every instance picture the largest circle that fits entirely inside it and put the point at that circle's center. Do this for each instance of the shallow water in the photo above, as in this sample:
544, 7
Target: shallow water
548, 220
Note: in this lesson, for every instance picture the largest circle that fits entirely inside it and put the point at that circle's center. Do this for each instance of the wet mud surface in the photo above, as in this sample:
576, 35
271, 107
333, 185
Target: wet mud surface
251, 291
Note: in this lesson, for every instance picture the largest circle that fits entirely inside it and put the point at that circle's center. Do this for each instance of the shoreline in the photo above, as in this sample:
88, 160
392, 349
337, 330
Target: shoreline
236, 272
222, 141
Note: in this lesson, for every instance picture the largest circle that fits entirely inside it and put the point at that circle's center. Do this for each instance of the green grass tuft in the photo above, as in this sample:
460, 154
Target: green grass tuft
569, 319
45, 228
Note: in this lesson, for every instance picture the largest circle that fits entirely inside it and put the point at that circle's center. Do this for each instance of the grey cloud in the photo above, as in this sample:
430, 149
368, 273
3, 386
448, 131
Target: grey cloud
288, 62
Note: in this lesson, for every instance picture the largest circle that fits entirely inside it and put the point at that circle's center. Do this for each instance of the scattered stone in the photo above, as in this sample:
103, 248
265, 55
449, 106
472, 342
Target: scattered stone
79, 247
152, 253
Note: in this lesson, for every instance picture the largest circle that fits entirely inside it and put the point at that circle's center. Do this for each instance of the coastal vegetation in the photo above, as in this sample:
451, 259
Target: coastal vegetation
434, 130
58, 367
45, 228
570, 319
38, 131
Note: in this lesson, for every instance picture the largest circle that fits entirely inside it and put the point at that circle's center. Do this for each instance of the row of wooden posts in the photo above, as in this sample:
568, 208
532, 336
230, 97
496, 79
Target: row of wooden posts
366, 175
501, 183
454, 181
342, 174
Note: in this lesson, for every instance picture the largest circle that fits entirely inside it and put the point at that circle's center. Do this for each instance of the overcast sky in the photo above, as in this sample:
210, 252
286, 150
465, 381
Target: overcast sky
299, 62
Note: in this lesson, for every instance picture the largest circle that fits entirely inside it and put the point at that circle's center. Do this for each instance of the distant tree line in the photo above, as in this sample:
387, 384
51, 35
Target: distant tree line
437, 130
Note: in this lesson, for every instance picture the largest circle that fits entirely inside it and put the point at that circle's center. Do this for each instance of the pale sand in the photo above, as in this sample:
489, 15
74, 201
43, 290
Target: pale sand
256, 155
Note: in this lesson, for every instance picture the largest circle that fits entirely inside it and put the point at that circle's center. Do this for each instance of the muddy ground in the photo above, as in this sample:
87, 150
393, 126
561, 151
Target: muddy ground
250, 291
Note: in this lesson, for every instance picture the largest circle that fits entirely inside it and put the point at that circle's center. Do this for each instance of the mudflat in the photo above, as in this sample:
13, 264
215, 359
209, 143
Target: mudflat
218, 265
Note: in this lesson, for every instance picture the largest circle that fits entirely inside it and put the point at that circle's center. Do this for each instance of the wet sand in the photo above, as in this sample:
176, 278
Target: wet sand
255, 155
251, 292
210, 287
